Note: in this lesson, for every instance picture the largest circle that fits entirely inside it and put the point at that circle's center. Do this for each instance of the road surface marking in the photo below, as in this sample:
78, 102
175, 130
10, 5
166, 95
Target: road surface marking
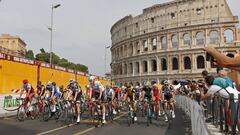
56, 129
84, 121
92, 128
9, 118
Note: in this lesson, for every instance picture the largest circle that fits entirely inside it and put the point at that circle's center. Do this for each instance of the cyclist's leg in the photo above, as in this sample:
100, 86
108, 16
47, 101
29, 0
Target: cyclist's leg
157, 107
134, 105
54, 102
78, 106
103, 106
171, 103
103, 112
165, 103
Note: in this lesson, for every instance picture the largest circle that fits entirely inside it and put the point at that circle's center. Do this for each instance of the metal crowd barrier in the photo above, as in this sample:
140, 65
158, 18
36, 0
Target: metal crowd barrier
221, 112
195, 112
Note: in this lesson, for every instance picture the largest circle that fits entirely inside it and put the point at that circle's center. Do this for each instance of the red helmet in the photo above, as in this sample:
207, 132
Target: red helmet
25, 81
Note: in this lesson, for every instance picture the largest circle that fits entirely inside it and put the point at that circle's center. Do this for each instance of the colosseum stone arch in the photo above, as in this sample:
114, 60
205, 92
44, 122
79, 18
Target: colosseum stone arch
166, 40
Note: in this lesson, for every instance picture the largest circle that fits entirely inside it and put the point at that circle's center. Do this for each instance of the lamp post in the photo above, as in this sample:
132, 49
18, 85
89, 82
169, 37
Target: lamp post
51, 31
105, 58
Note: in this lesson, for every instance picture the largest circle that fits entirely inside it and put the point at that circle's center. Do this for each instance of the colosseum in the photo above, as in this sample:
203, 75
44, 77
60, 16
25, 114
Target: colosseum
166, 40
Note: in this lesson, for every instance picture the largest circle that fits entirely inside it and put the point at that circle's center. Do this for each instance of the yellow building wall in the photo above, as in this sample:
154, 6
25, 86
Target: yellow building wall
13, 73
53, 75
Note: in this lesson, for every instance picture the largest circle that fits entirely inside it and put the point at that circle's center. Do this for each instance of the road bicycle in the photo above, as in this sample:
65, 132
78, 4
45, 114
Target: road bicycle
26, 110
130, 117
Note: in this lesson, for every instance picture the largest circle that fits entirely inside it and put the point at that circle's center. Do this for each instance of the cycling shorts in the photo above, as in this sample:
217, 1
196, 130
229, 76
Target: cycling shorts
168, 97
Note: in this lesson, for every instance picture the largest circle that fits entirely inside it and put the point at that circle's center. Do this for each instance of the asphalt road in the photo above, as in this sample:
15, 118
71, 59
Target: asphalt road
181, 126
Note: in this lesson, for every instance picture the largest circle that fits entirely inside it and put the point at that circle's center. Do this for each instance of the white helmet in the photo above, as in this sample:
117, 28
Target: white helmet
166, 82
91, 78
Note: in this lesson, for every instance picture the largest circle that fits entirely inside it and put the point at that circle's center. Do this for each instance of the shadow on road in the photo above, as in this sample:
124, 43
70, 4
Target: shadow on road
181, 124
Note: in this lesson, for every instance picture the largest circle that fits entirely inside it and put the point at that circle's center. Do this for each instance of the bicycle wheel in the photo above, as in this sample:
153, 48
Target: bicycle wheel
148, 116
170, 119
111, 115
68, 116
21, 113
46, 112
130, 116
129, 119
33, 111
57, 113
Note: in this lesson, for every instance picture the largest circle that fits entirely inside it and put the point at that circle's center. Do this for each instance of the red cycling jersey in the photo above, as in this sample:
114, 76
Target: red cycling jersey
156, 94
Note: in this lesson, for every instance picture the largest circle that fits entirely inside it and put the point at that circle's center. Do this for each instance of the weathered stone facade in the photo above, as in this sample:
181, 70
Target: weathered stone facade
166, 41
12, 45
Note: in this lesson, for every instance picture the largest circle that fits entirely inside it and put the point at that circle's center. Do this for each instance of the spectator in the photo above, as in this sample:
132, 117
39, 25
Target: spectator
223, 60
218, 86
222, 73
205, 73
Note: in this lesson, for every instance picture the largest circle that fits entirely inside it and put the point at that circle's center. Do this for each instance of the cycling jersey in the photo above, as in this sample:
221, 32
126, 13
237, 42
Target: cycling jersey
148, 92
40, 89
130, 92
76, 89
96, 87
167, 91
138, 93
27, 88
109, 94
156, 94
117, 92
56, 91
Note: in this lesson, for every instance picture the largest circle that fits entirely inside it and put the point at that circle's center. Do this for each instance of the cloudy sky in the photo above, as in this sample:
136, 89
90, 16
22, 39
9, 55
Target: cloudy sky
81, 27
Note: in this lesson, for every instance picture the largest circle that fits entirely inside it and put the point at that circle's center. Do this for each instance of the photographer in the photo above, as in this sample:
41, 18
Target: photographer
219, 87
224, 61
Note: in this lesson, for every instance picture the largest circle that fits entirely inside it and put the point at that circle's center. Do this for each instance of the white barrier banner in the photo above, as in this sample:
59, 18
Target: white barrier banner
195, 112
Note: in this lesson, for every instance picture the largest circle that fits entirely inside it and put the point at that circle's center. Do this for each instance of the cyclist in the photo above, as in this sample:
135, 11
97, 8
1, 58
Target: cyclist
168, 98
117, 97
55, 94
29, 91
110, 96
76, 94
138, 92
96, 92
40, 89
131, 98
146, 95
156, 98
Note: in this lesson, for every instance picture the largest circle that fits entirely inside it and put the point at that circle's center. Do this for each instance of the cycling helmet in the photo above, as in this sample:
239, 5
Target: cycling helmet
25, 81
166, 82
39, 83
108, 86
91, 78
154, 85
71, 81
53, 83
61, 87
146, 83
48, 83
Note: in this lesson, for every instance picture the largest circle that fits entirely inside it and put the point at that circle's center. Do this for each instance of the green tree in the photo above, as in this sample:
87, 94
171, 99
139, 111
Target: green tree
44, 56
82, 68
29, 54
55, 58
63, 62
42, 50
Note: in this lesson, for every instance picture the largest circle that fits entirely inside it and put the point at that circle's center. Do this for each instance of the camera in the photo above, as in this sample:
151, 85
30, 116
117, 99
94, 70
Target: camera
209, 57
